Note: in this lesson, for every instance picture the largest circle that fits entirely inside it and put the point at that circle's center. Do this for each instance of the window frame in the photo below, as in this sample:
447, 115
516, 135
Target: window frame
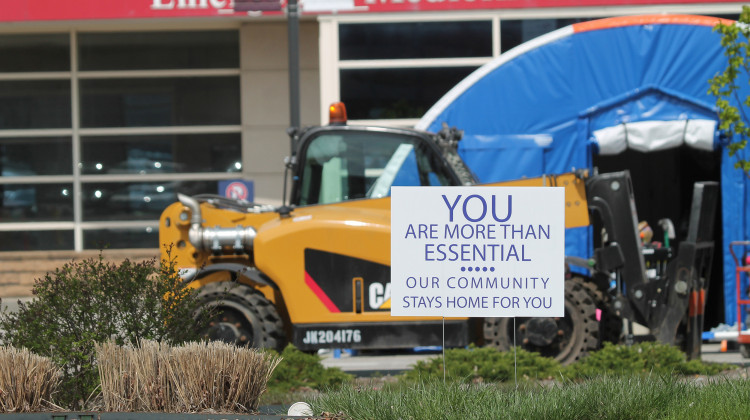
331, 64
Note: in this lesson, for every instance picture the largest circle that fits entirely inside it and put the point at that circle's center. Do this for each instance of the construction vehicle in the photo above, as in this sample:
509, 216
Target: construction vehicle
316, 272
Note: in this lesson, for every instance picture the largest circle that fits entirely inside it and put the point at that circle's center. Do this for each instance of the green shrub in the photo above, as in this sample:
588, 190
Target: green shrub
697, 367
490, 365
92, 301
640, 358
298, 370
484, 364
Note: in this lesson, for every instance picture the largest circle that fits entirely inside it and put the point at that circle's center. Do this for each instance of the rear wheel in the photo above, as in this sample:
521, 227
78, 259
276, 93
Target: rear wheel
745, 350
565, 339
243, 316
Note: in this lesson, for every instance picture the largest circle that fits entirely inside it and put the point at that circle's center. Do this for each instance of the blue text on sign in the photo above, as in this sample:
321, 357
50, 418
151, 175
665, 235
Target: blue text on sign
484, 207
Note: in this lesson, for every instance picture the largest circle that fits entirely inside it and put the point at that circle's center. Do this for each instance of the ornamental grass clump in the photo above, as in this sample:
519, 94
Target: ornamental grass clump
133, 378
219, 376
191, 378
27, 381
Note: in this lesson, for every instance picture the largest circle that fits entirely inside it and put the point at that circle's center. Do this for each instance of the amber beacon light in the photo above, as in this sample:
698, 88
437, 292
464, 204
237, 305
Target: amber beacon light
337, 114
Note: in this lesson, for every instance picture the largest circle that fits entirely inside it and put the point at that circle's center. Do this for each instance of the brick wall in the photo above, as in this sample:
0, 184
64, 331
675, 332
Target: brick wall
18, 270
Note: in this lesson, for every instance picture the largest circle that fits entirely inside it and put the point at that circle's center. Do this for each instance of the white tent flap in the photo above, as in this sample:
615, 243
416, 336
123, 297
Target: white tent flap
700, 134
649, 136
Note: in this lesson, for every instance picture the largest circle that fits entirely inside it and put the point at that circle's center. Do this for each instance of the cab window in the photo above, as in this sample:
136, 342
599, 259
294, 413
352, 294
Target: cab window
347, 165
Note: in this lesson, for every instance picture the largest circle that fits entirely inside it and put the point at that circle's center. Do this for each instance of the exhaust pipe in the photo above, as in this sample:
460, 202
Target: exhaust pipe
194, 206
217, 239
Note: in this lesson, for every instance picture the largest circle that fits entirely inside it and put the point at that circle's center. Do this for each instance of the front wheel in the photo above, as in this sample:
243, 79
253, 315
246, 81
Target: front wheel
565, 339
243, 316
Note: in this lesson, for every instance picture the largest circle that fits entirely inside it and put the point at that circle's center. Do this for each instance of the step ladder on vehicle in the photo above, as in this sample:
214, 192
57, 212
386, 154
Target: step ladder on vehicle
742, 269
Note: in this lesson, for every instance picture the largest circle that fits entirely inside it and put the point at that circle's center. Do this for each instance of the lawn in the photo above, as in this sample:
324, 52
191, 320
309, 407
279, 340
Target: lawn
656, 396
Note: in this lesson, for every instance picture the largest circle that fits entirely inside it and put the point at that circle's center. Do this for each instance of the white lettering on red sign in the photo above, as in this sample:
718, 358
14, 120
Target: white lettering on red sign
191, 4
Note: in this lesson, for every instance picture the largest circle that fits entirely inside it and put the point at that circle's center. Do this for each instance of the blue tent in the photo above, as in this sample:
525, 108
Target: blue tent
598, 88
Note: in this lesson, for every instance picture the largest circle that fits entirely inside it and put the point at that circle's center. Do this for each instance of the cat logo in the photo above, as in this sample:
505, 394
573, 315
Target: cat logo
380, 296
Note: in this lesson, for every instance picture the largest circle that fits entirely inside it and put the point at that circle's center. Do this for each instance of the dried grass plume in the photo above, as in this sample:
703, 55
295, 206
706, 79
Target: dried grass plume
192, 378
27, 381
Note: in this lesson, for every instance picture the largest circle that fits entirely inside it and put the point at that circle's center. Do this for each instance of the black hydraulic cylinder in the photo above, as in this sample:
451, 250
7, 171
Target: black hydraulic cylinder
611, 196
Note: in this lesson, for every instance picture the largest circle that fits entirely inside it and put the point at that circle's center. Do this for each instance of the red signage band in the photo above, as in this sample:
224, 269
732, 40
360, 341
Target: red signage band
43, 10
444, 5
50, 10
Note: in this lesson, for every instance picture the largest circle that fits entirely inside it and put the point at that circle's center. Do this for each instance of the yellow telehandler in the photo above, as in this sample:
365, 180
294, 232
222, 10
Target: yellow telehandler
316, 272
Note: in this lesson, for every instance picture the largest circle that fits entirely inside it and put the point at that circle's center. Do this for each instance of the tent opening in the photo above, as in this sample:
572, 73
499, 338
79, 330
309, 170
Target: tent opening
663, 187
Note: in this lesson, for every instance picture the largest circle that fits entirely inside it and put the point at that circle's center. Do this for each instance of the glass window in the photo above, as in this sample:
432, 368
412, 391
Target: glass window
35, 52
349, 165
121, 238
516, 32
370, 41
160, 102
137, 200
396, 93
730, 17
158, 50
42, 240
35, 104
35, 156
36, 202
187, 96
162, 154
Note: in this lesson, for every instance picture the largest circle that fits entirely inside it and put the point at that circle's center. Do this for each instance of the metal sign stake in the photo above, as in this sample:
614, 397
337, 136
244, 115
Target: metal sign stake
443, 350
515, 356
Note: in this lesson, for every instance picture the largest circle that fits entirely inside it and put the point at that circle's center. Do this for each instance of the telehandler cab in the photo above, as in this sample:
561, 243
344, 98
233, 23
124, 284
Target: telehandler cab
316, 272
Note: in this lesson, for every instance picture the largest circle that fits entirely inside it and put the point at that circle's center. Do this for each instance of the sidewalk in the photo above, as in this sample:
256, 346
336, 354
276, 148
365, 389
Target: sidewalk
11, 303
376, 363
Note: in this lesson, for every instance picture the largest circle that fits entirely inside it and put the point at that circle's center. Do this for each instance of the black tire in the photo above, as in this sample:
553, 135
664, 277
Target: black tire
610, 324
565, 339
243, 316
745, 350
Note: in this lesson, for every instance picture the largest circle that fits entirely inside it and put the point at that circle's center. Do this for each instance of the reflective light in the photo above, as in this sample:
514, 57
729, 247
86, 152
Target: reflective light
160, 189
147, 199
149, 229
157, 165
238, 165
65, 192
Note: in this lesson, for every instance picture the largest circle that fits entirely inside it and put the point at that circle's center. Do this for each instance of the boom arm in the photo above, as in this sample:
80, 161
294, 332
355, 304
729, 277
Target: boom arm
576, 208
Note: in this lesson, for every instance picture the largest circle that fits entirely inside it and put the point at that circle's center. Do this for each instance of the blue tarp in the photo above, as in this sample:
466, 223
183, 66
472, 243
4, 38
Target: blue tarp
534, 109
